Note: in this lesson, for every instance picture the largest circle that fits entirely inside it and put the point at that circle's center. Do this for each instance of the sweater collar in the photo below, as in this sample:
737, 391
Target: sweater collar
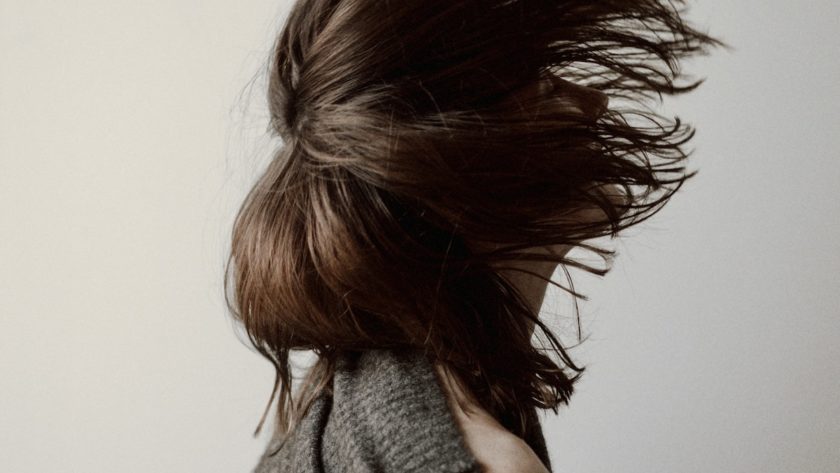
387, 412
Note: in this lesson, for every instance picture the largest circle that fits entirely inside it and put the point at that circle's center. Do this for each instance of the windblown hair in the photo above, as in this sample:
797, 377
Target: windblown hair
413, 167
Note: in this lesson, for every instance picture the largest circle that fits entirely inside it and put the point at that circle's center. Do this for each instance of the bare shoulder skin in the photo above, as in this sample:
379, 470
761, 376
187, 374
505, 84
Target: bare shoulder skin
496, 449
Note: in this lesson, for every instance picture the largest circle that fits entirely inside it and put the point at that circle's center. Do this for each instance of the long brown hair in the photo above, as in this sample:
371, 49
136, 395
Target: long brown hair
407, 144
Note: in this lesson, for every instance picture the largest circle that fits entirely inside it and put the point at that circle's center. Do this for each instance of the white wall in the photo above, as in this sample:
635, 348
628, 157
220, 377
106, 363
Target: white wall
714, 341
124, 152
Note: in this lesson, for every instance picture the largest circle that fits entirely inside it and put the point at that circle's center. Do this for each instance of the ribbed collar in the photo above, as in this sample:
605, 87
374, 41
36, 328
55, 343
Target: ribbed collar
388, 413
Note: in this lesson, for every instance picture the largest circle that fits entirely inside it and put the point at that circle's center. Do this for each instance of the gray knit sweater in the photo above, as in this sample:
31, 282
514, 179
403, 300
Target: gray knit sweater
388, 414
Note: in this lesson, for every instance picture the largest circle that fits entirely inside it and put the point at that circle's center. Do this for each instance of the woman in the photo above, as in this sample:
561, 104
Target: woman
439, 161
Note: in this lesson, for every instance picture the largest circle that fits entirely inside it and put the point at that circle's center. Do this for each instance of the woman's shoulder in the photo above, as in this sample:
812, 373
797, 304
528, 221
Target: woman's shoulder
499, 452
495, 448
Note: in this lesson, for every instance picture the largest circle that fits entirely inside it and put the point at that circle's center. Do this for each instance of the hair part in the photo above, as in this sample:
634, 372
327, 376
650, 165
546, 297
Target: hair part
407, 145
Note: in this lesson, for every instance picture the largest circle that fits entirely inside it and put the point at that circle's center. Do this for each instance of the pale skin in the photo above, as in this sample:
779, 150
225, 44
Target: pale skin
496, 449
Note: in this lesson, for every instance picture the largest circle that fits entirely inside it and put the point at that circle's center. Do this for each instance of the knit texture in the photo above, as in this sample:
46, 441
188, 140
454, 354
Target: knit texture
388, 414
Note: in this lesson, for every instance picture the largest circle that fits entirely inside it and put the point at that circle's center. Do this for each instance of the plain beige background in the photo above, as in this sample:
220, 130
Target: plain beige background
128, 136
